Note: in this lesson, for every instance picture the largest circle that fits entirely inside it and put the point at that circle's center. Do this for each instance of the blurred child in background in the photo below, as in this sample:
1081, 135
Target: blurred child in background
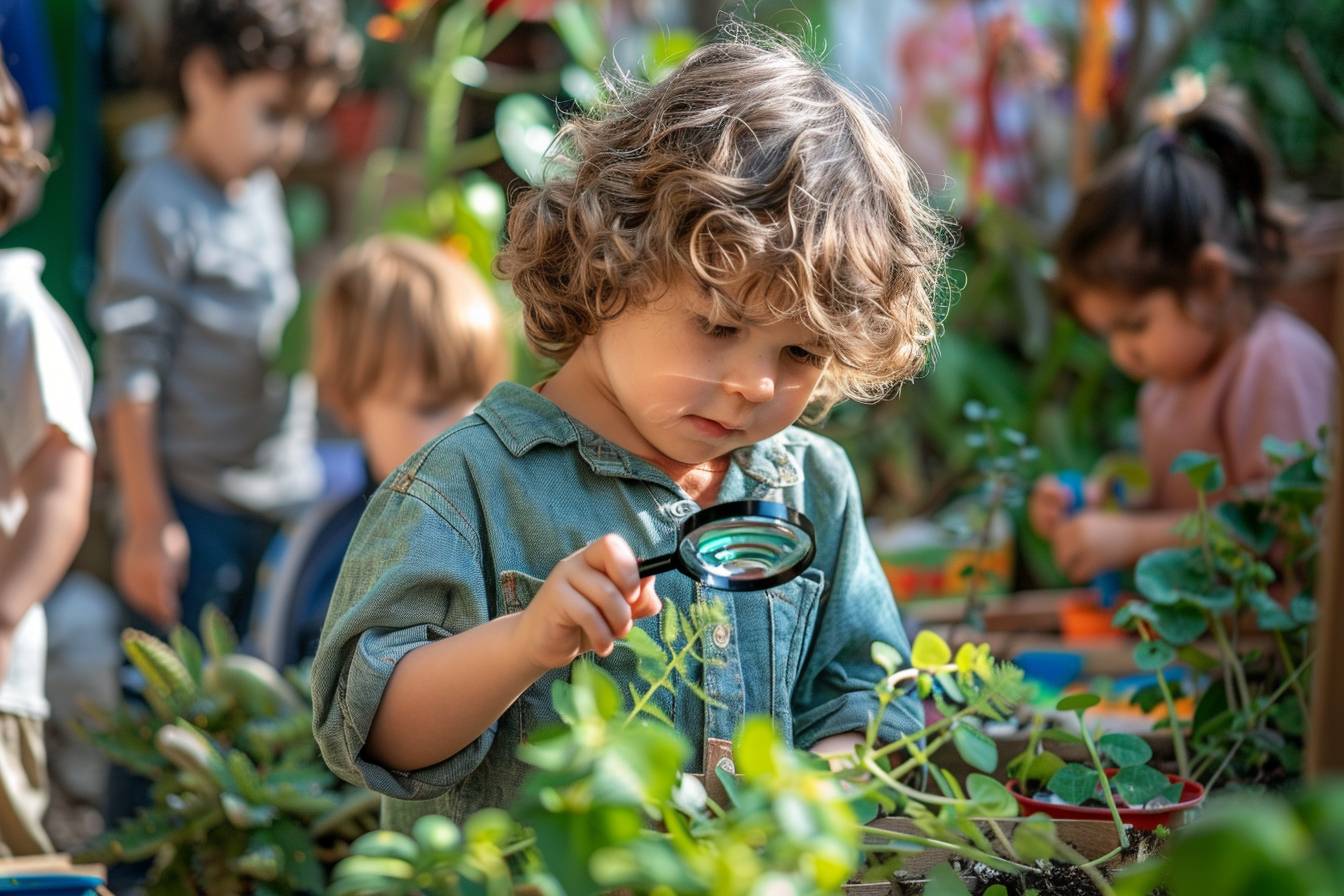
406, 340
46, 468
1169, 257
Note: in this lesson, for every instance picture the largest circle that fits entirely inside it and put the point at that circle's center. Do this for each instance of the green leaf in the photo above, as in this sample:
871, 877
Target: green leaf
1033, 771
1172, 575
643, 646
1034, 838
1279, 451
991, 798
1246, 521
1303, 609
977, 748
525, 128
996, 890
754, 749
580, 84
886, 656
1131, 612
1204, 471
1074, 784
1138, 784
1268, 614
595, 691
929, 651
973, 411
562, 698
1299, 483
581, 31
671, 624
1179, 624
1077, 702
1151, 655
1125, 749
1197, 659
943, 881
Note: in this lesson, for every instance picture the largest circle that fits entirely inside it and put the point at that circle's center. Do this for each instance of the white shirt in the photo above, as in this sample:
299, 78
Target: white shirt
46, 380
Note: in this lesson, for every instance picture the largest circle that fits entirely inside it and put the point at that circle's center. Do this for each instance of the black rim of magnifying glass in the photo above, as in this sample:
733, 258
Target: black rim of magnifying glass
771, 510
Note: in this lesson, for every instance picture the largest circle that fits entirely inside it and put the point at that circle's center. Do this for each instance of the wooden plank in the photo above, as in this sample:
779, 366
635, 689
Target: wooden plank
1325, 734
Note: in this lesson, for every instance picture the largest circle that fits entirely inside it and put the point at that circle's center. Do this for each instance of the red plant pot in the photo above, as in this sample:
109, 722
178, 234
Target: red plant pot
1192, 794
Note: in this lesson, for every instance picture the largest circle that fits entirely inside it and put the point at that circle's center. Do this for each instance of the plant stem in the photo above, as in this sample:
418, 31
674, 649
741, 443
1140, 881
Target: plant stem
972, 615
1177, 735
1292, 673
1231, 659
1105, 781
691, 639
960, 849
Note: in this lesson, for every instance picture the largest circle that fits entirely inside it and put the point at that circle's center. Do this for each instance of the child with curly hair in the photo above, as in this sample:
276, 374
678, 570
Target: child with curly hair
717, 254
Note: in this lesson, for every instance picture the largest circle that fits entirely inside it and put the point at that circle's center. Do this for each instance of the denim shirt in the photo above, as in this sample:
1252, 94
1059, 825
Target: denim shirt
470, 526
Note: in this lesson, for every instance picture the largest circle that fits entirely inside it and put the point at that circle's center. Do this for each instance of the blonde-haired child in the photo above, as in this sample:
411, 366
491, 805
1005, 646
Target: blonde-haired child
406, 340
719, 253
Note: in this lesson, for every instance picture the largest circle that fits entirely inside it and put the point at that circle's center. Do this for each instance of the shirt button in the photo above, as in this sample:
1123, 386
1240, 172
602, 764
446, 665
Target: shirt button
682, 508
721, 635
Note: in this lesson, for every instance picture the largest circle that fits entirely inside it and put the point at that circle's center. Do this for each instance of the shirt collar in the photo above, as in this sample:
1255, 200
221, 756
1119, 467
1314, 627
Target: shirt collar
523, 418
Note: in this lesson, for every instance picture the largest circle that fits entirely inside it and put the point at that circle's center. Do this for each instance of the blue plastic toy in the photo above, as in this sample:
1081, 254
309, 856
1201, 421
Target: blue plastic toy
1106, 583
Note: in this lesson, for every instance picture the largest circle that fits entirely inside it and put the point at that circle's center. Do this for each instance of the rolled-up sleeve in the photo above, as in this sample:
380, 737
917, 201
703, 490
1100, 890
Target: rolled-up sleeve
835, 691
145, 254
410, 577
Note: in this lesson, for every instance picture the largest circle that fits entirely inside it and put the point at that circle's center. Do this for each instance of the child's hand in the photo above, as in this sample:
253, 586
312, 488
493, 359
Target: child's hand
1093, 541
1048, 505
588, 601
150, 569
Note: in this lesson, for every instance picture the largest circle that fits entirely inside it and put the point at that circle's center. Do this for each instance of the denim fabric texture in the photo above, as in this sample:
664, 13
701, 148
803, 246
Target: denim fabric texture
470, 526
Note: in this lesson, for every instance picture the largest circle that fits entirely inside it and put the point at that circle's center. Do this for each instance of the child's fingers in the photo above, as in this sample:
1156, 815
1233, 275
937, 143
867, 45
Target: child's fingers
611, 554
590, 621
601, 593
648, 603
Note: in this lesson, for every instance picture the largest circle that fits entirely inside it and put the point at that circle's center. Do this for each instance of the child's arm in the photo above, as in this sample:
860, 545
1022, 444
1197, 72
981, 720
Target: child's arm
1093, 541
55, 481
588, 601
145, 250
151, 556
414, 666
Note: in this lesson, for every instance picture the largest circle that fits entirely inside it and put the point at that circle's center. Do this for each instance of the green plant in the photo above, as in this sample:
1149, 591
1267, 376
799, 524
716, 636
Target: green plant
607, 806
242, 803
1134, 781
1248, 844
1248, 721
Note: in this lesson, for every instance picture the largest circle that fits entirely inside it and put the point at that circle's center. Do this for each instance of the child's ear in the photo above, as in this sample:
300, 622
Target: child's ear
202, 77
1211, 273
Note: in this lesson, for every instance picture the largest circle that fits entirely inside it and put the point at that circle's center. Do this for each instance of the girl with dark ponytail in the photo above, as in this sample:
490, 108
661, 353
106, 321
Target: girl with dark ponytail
1169, 256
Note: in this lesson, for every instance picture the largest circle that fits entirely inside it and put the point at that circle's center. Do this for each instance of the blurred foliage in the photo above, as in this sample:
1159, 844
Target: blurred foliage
1250, 39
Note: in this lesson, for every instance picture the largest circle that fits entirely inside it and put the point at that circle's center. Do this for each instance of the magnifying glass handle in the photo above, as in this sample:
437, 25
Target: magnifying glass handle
655, 565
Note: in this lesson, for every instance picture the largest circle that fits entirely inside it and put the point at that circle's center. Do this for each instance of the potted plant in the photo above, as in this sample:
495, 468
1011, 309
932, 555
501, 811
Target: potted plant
1119, 784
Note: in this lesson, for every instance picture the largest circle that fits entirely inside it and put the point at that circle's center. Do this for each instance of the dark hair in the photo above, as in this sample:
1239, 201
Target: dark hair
1139, 222
302, 36
19, 161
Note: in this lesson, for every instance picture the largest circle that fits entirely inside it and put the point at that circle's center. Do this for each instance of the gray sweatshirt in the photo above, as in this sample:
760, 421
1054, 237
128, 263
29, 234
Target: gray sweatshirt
193, 293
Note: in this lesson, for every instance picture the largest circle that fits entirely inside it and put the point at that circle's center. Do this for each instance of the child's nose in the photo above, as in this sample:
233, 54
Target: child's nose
755, 382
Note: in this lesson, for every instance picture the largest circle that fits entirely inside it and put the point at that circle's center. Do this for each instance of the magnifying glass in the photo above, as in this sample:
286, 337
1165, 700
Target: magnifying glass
740, 546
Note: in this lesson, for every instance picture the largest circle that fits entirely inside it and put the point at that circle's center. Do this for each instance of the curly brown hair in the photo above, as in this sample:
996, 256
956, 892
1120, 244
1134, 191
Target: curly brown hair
307, 37
20, 161
754, 173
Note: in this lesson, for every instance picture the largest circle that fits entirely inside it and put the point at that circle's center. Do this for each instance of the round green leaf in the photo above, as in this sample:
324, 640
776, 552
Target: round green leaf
1179, 624
1077, 702
1303, 609
1173, 575
1153, 654
1268, 614
992, 799
1125, 749
1040, 769
1132, 612
1138, 784
929, 651
754, 749
977, 748
1074, 784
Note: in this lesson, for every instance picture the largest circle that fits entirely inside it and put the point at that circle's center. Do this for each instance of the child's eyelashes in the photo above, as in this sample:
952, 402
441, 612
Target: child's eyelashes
804, 356
718, 331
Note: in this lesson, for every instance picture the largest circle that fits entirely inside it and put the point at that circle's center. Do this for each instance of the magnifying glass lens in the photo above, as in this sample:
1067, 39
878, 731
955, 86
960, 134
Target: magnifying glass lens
745, 549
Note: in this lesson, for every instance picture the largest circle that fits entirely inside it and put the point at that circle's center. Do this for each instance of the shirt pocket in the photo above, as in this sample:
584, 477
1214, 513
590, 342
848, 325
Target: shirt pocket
534, 707
792, 610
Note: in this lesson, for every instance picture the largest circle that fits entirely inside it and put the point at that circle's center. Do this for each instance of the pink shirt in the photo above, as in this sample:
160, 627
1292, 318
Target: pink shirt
1278, 379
